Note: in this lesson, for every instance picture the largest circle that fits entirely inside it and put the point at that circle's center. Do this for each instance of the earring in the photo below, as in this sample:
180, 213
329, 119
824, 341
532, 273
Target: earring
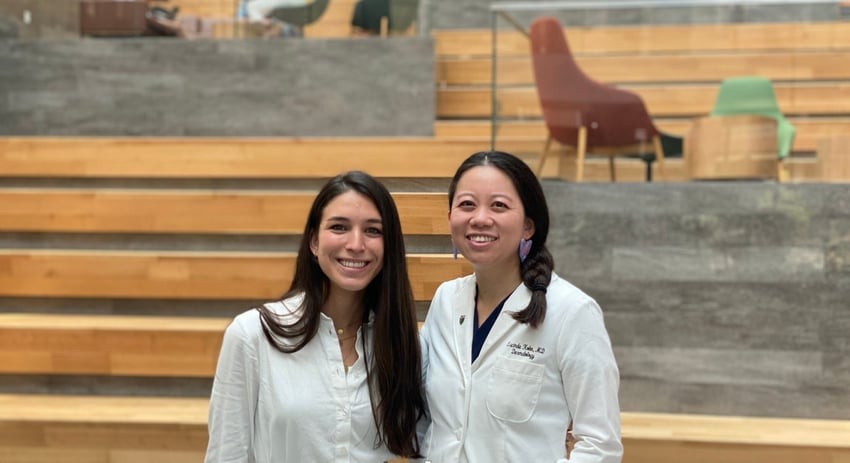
524, 249
454, 251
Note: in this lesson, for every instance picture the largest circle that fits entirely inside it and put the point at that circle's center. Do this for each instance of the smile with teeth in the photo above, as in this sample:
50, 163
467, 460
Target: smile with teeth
481, 238
352, 263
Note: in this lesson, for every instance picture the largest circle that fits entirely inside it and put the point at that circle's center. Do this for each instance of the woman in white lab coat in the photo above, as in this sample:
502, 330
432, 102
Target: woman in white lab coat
514, 354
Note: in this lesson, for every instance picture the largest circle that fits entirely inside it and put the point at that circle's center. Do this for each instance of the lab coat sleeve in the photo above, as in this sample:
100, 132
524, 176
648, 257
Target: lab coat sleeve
234, 396
591, 383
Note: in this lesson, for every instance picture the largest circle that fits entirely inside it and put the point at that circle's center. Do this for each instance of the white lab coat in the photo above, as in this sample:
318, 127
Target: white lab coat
515, 402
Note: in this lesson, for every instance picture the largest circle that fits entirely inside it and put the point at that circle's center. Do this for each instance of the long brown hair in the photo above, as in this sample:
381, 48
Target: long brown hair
394, 377
536, 270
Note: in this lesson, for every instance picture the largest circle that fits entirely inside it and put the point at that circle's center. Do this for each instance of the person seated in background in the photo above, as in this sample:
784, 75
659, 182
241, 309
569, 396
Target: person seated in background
259, 11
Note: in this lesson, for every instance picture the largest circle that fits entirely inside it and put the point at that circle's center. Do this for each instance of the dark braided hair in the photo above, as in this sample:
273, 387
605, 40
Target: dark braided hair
536, 270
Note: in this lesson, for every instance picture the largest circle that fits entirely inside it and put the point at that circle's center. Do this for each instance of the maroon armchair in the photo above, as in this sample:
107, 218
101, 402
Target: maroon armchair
582, 113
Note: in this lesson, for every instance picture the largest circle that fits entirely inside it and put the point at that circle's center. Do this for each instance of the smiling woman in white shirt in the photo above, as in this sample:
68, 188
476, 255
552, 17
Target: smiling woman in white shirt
332, 372
514, 354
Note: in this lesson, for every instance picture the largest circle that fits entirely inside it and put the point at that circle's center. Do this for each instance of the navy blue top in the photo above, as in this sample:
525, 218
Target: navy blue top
479, 333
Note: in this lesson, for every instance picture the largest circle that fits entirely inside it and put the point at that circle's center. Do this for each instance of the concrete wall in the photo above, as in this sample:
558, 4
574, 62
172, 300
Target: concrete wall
161, 87
725, 298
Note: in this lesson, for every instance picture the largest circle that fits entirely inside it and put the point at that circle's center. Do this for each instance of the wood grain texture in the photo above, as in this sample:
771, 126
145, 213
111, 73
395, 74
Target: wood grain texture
690, 38
179, 275
127, 429
181, 211
646, 68
202, 157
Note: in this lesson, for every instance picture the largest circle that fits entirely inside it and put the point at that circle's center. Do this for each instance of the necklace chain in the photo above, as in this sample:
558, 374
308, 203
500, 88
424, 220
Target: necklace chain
347, 359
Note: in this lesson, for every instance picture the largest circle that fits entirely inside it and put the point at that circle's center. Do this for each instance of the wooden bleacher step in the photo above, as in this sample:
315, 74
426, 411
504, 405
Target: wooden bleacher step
180, 274
189, 211
134, 429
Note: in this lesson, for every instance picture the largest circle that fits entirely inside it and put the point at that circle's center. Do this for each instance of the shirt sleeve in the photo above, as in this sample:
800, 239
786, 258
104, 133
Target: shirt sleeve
425, 347
234, 398
591, 384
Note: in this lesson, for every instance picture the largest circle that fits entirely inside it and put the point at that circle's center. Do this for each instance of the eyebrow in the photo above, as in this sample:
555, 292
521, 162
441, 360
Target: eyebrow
346, 219
493, 196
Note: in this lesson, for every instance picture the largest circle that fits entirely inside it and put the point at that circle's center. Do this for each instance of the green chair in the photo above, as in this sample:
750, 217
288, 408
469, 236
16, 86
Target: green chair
753, 95
301, 15
369, 14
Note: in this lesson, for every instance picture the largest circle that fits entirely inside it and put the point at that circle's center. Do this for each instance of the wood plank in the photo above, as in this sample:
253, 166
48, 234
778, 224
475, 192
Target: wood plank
690, 38
192, 157
653, 451
110, 345
102, 429
809, 130
205, 8
804, 98
790, 66
180, 275
181, 211
736, 430
34, 425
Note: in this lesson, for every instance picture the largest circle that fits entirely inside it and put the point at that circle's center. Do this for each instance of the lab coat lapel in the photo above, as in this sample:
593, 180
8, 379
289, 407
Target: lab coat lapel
462, 322
517, 301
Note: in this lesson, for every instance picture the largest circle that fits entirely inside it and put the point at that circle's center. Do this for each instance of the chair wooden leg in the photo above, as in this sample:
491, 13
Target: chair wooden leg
546, 147
581, 148
385, 26
659, 156
611, 168
783, 174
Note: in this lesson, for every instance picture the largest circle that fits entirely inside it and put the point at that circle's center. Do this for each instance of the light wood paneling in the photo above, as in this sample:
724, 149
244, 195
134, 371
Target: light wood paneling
164, 211
234, 157
802, 98
102, 429
659, 39
204, 8
127, 429
110, 345
815, 65
833, 158
195, 275
671, 438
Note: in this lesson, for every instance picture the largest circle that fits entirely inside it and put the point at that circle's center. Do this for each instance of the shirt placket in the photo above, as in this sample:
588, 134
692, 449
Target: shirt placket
340, 391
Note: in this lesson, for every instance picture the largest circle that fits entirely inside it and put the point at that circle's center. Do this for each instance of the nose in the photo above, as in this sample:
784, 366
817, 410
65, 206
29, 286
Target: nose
356, 241
480, 218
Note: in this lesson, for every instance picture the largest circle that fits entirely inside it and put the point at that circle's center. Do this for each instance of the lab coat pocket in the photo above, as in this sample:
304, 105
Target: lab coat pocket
514, 390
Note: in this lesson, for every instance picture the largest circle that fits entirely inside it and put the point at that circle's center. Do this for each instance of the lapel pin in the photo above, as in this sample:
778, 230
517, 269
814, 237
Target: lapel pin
462, 318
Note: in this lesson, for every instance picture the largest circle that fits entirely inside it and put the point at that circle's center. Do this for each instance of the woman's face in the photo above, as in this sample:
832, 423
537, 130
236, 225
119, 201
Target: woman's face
349, 243
487, 219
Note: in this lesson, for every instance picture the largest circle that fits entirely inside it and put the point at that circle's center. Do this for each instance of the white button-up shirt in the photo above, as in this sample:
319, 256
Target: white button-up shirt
271, 407
514, 403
